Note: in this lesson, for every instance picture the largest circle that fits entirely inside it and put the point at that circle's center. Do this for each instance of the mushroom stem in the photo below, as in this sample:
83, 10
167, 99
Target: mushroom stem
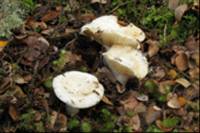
71, 110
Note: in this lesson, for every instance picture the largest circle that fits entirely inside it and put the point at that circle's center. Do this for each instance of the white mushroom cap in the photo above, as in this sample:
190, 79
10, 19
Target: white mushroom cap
78, 89
126, 62
107, 31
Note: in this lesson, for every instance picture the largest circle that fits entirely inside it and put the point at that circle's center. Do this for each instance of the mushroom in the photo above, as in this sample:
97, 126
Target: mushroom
126, 62
107, 31
78, 90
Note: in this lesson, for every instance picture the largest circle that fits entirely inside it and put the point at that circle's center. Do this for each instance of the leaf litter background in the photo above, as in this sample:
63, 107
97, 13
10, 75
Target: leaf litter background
49, 44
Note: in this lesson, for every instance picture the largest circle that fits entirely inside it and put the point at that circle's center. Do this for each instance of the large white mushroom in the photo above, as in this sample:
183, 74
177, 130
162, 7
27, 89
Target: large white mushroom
78, 90
107, 31
126, 62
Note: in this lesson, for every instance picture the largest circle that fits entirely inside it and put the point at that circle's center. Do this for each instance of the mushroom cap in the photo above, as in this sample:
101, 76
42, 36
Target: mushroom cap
78, 89
107, 31
126, 62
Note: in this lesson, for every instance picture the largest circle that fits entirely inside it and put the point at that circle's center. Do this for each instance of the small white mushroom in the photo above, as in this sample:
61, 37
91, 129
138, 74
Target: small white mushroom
107, 31
78, 90
126, 62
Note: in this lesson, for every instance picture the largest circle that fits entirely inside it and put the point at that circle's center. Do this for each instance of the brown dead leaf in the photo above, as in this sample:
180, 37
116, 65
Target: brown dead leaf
173, 102
51, 15
194, 73
173, 4
133, 122
195, 57
37, 46
53, 117
192, 44
38, 116
181, 61
153, 47
107, 101
158, 72
18, 92
180, 10
152, 115
31, 23
13, 113
87, 17
184, 82
128, 101
61, 123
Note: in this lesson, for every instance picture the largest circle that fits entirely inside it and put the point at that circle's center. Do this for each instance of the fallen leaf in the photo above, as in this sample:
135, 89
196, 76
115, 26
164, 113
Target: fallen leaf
192, 44
195, 57
17, 92
158, 72
152, 114
194, 73
61, 123
184, 82
133, 122
152, 47
99, 1
128, 101
142, 97
107, 101
19, 79
164, 86
13, 113
173, 102
182, 101
180, 10
87, 17
172, 73
52, 121
181, 61
51, 15
3, 43
173, 4
140, 108
33, 24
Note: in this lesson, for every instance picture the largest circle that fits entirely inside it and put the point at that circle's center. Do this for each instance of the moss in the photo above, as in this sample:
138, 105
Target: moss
73, 123
86, 127
12, 13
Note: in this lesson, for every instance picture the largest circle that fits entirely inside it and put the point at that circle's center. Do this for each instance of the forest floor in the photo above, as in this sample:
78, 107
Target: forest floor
166, 100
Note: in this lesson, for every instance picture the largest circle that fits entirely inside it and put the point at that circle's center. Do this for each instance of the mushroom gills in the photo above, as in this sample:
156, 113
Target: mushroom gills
126, 62
107, 31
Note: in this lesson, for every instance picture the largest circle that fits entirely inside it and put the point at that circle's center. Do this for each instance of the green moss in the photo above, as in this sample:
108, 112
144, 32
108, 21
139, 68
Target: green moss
150, 85
153, 129
86, 127
73, 123
12, 14
170, 122
48, 83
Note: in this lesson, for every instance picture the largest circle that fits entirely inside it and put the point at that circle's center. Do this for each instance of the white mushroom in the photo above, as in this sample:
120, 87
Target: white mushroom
107, 31
126, 62
78, 90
